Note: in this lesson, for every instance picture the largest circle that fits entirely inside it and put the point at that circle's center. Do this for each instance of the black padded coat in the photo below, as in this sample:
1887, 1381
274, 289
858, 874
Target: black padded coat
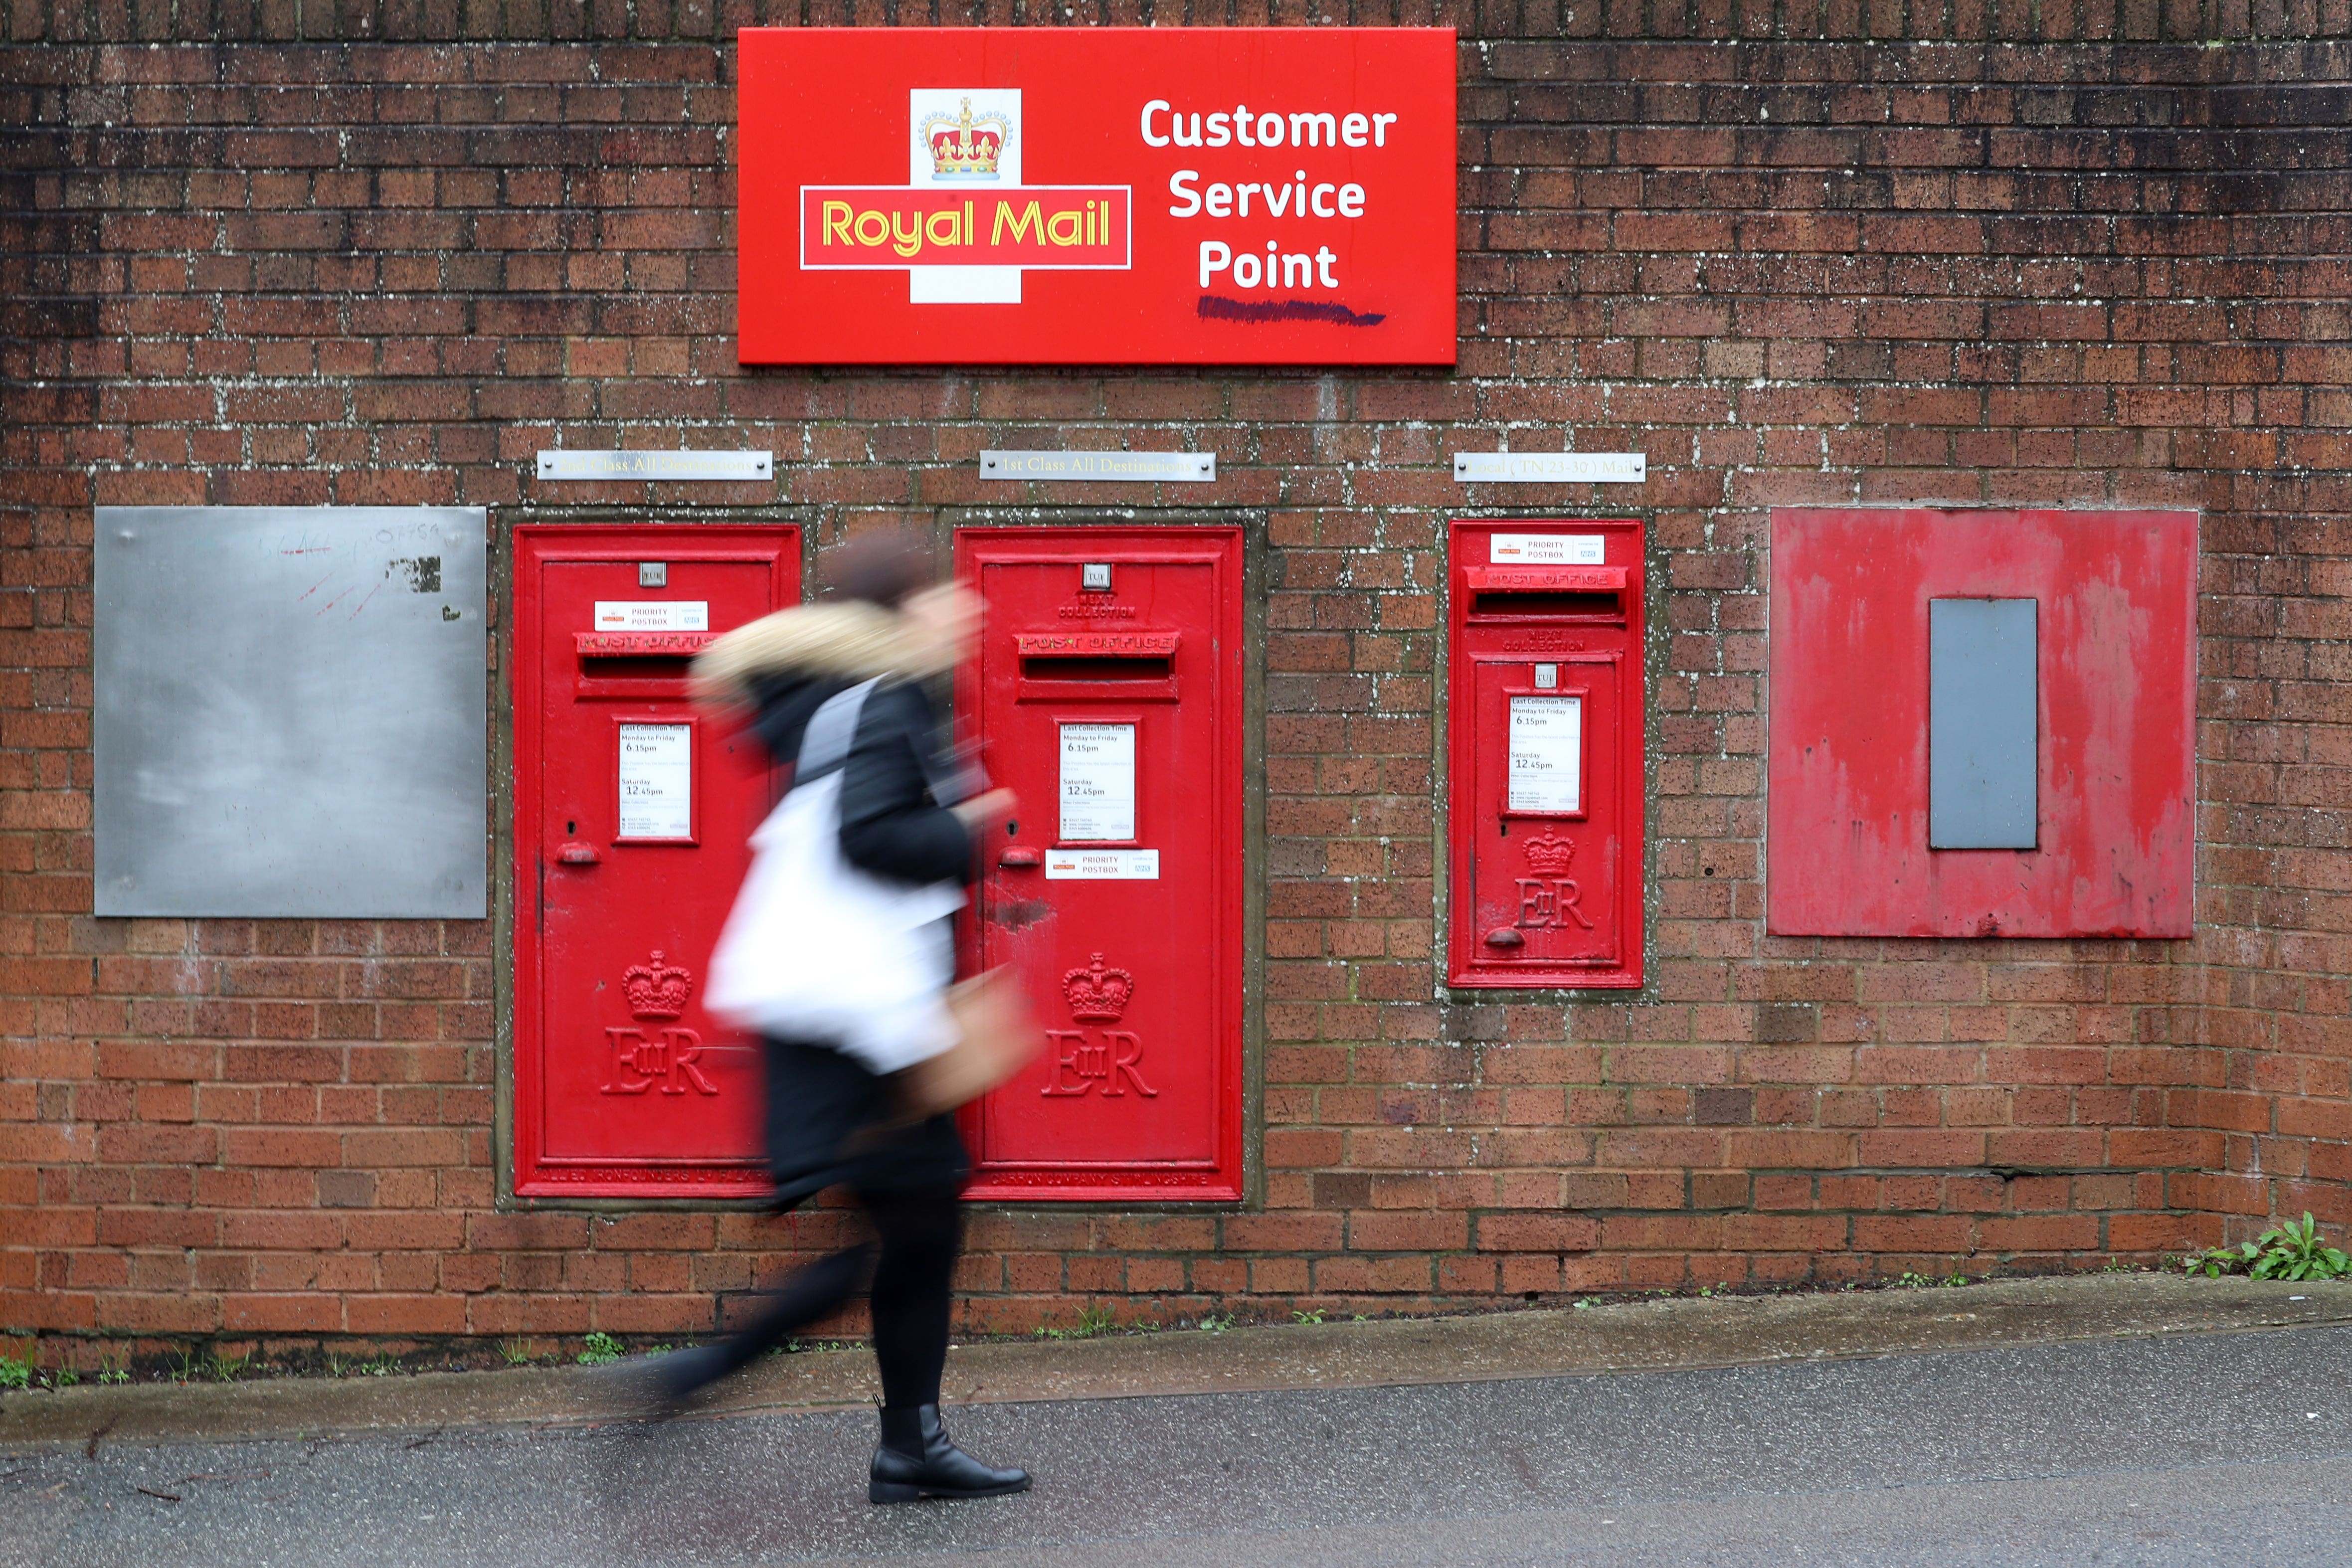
829, 1117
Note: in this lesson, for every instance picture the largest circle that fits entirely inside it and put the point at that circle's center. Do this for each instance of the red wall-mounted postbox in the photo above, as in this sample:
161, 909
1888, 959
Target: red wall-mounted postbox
1107, 693
1546, 753
632, 816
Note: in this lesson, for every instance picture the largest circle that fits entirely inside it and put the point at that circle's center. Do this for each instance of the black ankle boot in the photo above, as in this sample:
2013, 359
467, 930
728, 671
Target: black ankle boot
919, 1459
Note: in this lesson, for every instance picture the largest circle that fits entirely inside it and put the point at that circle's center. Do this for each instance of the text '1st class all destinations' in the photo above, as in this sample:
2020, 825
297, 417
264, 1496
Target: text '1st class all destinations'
1165, 125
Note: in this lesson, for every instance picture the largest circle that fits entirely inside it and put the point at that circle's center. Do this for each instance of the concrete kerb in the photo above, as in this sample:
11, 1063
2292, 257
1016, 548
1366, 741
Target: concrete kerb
1626, 1337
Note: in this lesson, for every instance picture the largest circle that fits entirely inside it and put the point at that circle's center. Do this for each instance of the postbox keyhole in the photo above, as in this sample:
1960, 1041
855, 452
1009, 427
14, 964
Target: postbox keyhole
571, 830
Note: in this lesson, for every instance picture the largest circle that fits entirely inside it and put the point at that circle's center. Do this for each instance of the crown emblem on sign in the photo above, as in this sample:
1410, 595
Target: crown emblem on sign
1097, 993
965, 148
658, 990
1549, 855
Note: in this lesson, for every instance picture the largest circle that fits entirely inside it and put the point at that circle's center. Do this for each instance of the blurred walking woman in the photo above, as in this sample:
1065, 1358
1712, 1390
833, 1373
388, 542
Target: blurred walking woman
834, 689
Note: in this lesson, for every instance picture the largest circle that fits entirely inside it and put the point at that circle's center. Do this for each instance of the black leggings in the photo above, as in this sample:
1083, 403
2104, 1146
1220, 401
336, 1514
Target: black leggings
917, 1235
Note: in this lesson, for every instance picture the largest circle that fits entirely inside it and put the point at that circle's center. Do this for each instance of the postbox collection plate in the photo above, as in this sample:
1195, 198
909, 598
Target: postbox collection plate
1115, 893
1546, 754
633, 817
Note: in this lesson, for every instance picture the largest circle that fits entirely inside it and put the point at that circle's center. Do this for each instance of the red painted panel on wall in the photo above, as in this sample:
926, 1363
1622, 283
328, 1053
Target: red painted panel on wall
1096, 195
2116, 598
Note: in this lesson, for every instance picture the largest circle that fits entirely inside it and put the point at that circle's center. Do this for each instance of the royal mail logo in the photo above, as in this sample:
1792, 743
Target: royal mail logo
965, 148
960, 244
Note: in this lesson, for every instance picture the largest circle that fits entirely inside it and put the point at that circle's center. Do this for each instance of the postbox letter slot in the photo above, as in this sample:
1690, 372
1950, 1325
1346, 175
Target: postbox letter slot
634, 666
1547, 603
1127, 666
1546, 593
637, 663
1095, 668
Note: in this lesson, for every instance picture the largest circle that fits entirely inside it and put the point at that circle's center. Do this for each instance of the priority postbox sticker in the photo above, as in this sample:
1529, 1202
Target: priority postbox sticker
652, 615
1546, 549
1102, 865
1146, 195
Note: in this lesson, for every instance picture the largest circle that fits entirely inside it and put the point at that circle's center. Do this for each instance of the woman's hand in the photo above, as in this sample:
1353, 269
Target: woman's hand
985, 808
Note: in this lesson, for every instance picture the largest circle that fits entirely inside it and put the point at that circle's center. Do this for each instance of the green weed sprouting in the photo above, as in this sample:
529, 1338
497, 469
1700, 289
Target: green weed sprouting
1092, 1321
2289, 1250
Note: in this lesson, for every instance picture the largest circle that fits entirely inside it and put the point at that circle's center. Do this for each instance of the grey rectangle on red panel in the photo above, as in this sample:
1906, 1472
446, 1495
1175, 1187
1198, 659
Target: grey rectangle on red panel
290, 716
1983, 725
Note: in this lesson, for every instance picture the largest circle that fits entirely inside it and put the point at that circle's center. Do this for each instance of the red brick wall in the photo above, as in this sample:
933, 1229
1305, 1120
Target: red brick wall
2100, 264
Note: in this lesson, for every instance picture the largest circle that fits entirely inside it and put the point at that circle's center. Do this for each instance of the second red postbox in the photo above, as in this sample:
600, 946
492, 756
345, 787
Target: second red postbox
1107, 693
1546, 754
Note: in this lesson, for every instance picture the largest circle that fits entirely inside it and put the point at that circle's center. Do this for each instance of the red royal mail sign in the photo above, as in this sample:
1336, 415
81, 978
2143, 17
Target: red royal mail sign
1096, 195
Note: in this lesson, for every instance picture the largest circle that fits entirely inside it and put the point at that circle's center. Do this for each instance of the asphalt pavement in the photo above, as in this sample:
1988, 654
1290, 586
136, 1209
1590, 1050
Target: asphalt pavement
2150, 1448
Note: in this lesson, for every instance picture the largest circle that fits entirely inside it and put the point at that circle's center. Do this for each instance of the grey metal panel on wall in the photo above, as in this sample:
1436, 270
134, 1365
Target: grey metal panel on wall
289, 711
1983, 723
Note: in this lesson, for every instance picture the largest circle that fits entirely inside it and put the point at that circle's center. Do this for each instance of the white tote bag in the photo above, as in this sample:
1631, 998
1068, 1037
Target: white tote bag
816, 949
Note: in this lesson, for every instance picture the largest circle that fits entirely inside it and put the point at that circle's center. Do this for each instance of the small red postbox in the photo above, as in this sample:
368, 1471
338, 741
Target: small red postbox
632, 816
1546, 757
1108, 693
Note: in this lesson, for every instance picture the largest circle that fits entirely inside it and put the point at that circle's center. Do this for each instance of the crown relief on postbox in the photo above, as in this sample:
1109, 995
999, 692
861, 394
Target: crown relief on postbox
1303, 196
